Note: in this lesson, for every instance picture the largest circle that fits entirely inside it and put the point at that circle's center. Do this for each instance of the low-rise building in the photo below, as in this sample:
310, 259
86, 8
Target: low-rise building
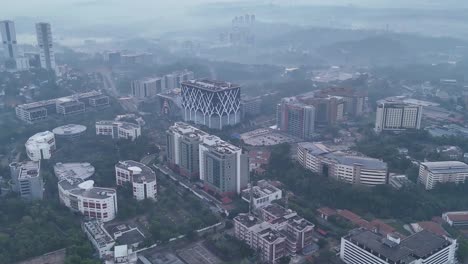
75, 170
349, 168
258, 159
280, 234
433, 173
262, 194
27, 179
122, 255
97, 234
40, 146
118, 129
69, 132
456, 219
364, 246
141, 177
450, 152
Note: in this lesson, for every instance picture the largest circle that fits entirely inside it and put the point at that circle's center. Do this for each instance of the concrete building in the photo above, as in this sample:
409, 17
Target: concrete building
354, 101
433, 173
362, 246
10, 45
251, 106
296, 118
283, 234
456, 219
141, 177
76, 170
99, 237
92, 202
27, 180
224, 169
118, 129
349, 168
69, 132
394, 114
262, 194
175, 79
183, 143
147, 87
40, 146
450, 152
22, 63
46, 46
211, 103
42, 109
122, 255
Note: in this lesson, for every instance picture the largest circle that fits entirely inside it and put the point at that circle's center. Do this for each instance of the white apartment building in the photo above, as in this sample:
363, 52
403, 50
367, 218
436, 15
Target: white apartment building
433, 173
93, 202
46, 46
349, 168
8, 32
99, 237
142, 178
118, 129
27, 180
362, 246
394, 114
262, 194
40, 146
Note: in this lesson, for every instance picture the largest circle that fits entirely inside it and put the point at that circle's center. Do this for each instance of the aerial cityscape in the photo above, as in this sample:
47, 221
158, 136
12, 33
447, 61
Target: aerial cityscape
233, 132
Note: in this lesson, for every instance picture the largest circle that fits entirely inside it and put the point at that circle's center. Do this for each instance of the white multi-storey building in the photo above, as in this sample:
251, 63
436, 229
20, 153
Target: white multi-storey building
99, 237
118, 129
433, 173
40, 146
8, 31
345, 167
122, 255
141, 177
362, 246
27, 180
147, 87
394, 114
262, 194
46, 46
211, 103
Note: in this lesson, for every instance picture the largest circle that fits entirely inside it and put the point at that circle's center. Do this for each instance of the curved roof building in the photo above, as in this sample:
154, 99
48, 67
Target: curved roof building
40, 146
70, 131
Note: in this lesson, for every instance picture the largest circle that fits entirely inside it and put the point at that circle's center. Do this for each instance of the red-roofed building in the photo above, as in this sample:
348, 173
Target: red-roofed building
429, 226
350, 216
326, 212
456, 218
382, 227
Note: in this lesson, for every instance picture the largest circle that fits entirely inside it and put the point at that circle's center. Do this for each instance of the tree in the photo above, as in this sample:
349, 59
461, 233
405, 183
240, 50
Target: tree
285, 260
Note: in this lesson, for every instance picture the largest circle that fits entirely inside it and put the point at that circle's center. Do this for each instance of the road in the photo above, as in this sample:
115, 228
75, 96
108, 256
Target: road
109, 85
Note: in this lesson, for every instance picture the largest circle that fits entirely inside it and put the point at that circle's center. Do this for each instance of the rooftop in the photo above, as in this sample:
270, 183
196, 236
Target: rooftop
314, 148
246, 220
458, 216
73, 170
210, 85
73, 97
69, 129
79, 187
182, 128
40, 138
446, 167
28, 169
141, 172
219, 146
263, 189
366, 162
98, 233
126, 125
278, 211
416, 246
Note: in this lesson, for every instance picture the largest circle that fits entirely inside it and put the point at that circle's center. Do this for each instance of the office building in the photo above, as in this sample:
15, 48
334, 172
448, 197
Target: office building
22, 64
363, 246
349, 168
224, 169
40, 110
92, 202
40, 146
118, 129
99, 237
27, 180
183, 143
141, 177
296, 118
394, 114
147, 87
433, 173
175, 79
456, 219
46, 46
211, 103
251, 106
10, 46
284, 234
354, 100
262, 194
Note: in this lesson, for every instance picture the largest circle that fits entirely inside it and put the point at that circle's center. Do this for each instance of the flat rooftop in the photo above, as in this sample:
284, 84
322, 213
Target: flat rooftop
141, 172
210, 85
28, 169
220, 146
246, 220
182, 128
349, 160
314, 148
446, 167
125, 125
416, 246
73, 185
73, 170
73, 97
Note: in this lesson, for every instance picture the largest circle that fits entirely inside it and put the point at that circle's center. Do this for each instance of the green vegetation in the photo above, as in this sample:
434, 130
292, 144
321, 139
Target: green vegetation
230, 249
31, 229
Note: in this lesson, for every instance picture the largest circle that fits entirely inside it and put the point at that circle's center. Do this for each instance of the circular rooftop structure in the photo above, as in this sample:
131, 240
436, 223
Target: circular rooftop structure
136, 170
69, 131
86, 185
